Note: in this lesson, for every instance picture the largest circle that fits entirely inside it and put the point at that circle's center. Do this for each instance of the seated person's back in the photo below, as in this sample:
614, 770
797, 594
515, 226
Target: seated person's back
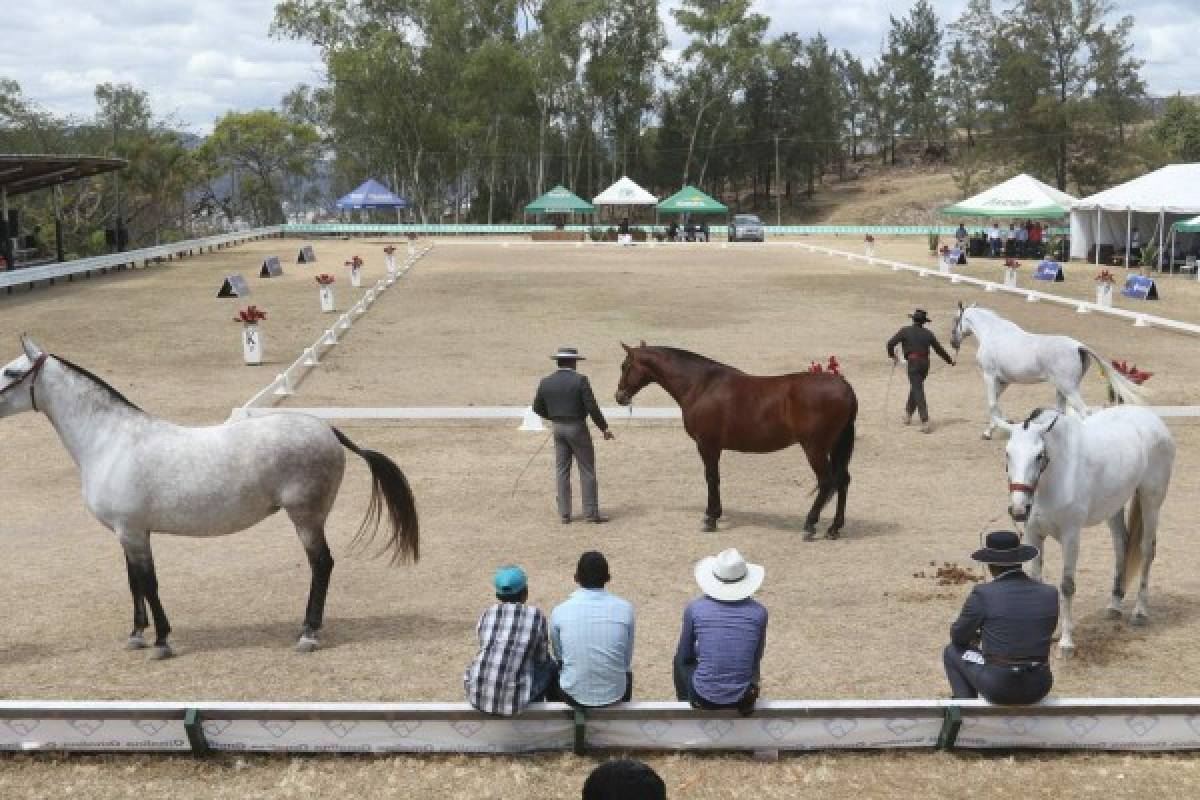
592, 633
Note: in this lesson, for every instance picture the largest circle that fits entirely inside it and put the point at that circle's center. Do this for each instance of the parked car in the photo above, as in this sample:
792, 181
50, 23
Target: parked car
747, 228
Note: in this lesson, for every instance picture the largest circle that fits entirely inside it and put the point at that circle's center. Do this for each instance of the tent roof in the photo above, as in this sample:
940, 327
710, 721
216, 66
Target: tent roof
1188, 225
372, 194
27, 173
559, 200
625, 193
1174, 189
1019, 196
689, 198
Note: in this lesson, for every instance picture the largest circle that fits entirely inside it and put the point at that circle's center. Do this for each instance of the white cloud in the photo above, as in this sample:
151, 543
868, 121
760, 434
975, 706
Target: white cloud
198, 60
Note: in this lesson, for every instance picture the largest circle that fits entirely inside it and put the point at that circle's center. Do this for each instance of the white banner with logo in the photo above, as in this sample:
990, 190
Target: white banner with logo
142, 735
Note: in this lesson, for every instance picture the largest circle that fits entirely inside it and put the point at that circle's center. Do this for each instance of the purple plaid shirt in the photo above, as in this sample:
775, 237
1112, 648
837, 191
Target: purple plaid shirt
512, 639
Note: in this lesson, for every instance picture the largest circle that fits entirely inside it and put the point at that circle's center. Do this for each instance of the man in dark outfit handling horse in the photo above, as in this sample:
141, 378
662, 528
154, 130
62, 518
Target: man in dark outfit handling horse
565, 397
1000, 643
915, 341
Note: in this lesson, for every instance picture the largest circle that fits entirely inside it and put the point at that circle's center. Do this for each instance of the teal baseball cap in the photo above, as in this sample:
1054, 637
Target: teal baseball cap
510, 579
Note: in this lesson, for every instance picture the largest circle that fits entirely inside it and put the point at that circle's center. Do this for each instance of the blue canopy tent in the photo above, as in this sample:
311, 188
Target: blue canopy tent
371, 195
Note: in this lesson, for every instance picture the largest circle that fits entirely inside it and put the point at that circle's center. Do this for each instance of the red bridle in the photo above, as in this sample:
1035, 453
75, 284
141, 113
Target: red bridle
31, 376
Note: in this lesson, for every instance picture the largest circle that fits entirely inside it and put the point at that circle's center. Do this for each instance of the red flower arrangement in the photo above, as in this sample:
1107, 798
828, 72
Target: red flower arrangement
250, 315
1132, 372
833, 367
412, 237
1012, 262
354, 263
324, 279
869, 239
389, 249
945, 249
1105, 277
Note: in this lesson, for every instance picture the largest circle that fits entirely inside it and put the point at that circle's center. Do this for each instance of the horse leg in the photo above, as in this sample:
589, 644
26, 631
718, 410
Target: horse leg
712, 475
994, 388
1034, 536
1149, 542
320, 560
137, 639
1120, 537
141, 570
823, 469
1070, 548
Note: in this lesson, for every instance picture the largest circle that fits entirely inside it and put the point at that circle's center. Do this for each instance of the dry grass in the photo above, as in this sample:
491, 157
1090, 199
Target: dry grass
474, 324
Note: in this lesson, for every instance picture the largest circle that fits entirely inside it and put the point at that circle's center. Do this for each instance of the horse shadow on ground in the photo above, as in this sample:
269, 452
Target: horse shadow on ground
336, 631
794, 523
24, 652
1101, 641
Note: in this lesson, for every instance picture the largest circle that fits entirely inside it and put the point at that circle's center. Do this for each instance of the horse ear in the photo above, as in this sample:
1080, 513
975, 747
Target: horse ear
32, 351
627, 348
960, 305
643, 344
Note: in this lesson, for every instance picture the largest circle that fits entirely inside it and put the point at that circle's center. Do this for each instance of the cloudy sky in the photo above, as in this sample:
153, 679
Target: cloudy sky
200, 59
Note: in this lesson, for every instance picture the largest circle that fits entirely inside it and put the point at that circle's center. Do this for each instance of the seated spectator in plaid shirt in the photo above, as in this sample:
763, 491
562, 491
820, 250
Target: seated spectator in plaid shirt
592, 635
513, 667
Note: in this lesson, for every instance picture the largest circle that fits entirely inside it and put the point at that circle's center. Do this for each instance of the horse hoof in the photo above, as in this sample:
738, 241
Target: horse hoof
709, 525
307, 644
987, 436
833, 533
161, 652
1139, 620
1112, 613
136, 643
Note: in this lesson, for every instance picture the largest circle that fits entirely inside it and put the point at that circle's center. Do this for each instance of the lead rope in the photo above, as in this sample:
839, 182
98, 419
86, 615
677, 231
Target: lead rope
525, 469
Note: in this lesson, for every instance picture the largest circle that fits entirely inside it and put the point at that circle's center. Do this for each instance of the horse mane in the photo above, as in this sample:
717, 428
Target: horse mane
103, 384
688, 355
992, 315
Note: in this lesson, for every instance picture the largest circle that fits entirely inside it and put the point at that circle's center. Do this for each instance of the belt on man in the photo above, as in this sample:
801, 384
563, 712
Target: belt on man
1003, 661
567, 419
917, 356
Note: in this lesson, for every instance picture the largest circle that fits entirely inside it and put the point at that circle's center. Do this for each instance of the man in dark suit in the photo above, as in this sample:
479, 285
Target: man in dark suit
565, 397
1000, 643
915, 342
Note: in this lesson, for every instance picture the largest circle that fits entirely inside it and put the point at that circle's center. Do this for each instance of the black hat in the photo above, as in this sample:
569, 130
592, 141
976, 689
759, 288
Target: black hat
919, 316
1004, 548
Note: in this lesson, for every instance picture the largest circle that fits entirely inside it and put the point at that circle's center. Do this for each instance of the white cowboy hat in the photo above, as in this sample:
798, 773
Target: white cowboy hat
726, 576
567, 353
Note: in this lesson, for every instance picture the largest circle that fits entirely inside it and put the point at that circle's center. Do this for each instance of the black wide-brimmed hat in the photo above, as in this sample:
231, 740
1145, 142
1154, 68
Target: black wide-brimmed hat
919, 316
1004, 548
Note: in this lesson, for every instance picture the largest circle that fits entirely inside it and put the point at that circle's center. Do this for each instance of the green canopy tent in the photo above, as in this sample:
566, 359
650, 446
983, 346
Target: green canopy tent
690, 200
1020, 196
560, 200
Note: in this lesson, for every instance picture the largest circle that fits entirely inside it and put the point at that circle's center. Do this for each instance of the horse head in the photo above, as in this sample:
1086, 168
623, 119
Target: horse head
18, 377
634, 373
1026, 460
962, 326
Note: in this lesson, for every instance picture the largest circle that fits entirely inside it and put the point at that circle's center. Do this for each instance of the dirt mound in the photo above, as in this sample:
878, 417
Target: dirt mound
949, 574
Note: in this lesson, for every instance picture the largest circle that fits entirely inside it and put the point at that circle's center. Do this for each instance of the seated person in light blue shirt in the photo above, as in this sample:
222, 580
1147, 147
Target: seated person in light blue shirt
592, 636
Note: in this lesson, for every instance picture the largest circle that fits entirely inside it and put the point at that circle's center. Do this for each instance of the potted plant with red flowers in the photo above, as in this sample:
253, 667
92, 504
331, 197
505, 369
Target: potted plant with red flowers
1130, 371
355, 265
869, 244
948, 260
250, 316
1011, 265
389, 260
325, 284
412, 244
1104, 288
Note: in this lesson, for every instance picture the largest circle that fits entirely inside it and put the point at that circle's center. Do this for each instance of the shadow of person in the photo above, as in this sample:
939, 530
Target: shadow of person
337, 630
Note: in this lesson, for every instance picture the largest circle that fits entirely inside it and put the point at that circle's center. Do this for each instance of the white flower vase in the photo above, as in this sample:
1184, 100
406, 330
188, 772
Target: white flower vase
1104, 292
412, 248
326, 293
869, 248
252, 344
1010, 277
355, 276
389, 260
944, 265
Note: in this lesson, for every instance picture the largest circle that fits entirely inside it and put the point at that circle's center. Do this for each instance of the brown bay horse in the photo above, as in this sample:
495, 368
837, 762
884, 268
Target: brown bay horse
726, 409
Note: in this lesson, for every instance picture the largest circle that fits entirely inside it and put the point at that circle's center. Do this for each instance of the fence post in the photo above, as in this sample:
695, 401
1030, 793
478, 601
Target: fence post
580, 745
951, 724
193, 727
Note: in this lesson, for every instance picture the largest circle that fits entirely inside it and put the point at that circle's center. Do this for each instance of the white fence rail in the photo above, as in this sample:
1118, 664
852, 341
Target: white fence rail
1125, 724
49, 273
286, 382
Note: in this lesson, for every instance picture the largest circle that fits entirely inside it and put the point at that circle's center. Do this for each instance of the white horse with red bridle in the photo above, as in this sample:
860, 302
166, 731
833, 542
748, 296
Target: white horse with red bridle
1067, 473
1008, 354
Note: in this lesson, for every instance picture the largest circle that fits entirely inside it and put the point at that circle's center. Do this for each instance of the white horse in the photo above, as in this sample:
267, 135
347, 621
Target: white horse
143, 475
1066, 473
1008, 354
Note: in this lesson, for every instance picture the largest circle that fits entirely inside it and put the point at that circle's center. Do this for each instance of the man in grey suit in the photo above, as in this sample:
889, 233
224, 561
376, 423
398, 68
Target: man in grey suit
565, 397
1000, 643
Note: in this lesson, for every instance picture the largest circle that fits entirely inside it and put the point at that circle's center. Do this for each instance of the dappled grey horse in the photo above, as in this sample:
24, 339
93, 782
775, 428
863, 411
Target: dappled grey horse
144, 475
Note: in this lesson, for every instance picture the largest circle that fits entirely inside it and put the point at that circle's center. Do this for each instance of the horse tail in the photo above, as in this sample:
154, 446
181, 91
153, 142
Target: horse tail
1125, 390
390, 488
839, 458
1133, 541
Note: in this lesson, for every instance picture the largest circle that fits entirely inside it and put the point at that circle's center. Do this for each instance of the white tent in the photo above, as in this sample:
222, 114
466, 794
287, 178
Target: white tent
1020, 196
625, 193
1150, 203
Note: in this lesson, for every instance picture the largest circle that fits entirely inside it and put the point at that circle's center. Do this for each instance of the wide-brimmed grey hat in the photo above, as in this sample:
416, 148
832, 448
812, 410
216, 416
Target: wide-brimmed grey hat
1004, 548
567, 353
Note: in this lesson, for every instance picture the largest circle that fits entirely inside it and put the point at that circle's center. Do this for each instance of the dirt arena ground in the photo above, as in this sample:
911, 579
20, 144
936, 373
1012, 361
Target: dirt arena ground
473, 324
